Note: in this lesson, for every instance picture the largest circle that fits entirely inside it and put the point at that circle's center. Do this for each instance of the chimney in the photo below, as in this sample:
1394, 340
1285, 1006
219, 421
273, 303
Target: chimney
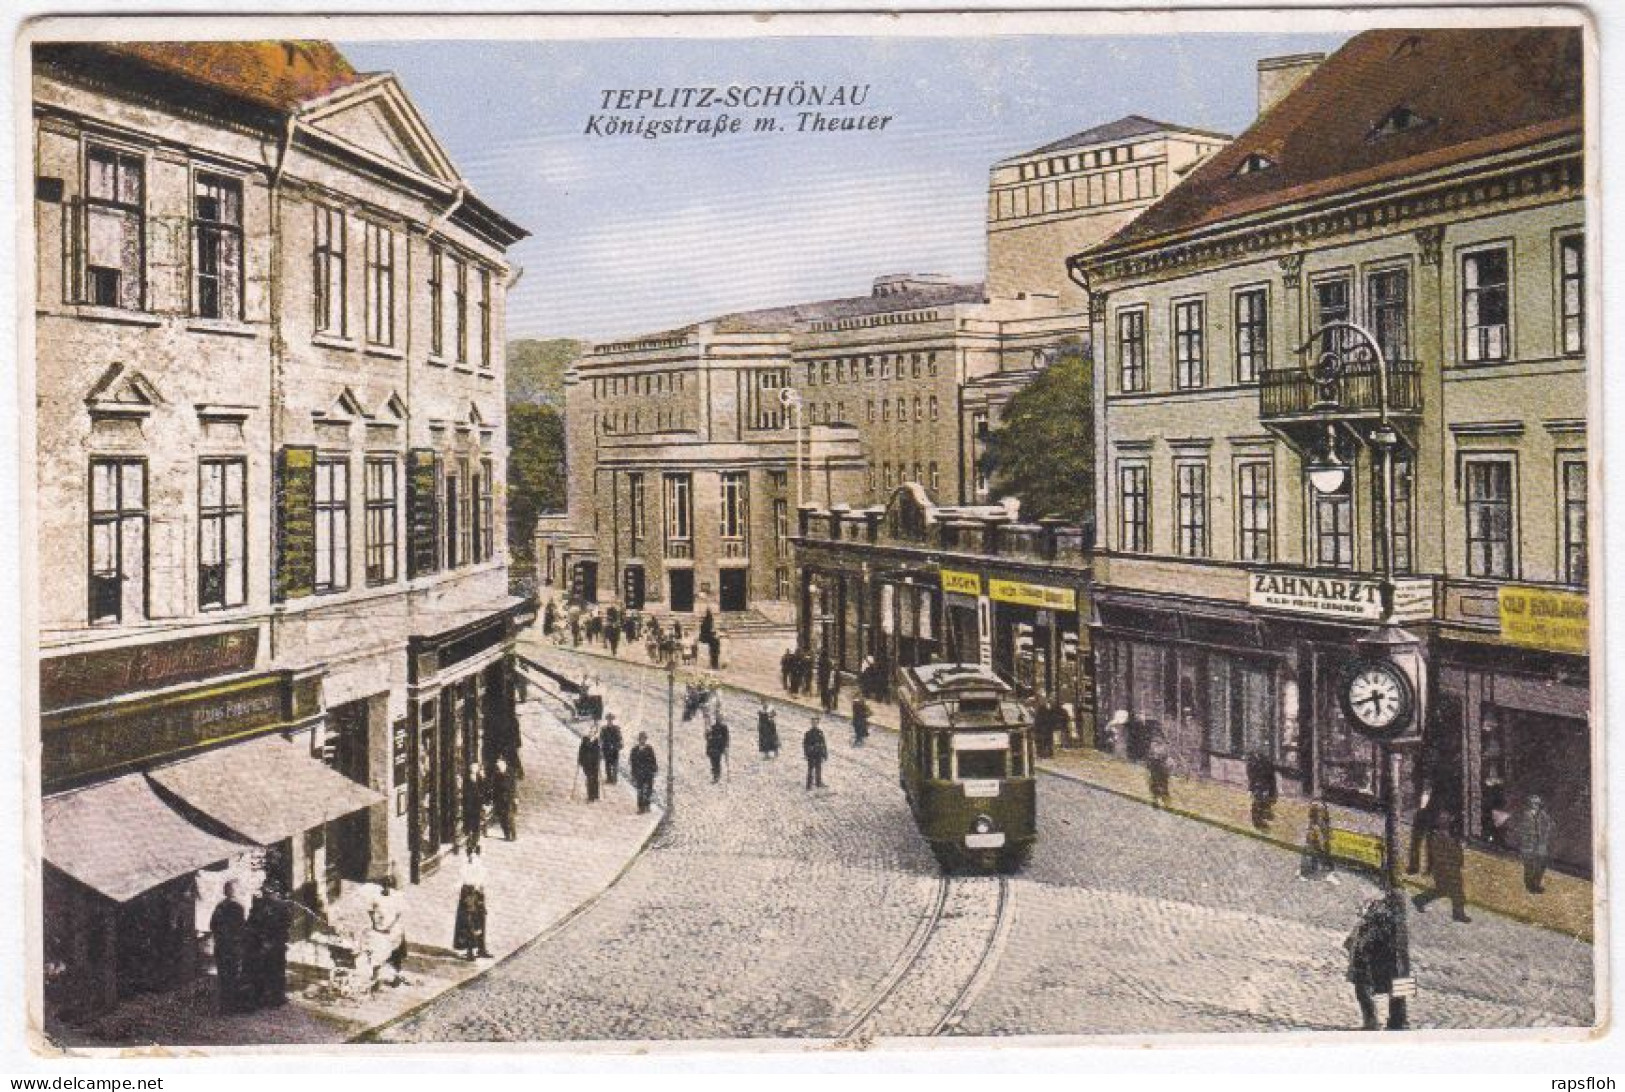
1278, 77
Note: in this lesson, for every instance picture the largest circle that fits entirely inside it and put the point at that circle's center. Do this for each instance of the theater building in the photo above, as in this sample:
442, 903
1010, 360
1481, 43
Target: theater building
273, 619
1428, 186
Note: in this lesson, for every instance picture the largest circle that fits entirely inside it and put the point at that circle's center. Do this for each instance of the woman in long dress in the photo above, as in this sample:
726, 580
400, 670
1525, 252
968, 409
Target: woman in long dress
468, 933
386, 940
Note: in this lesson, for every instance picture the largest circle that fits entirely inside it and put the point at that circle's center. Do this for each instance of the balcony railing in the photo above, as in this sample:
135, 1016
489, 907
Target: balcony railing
1294, 392
680, 549
735, 547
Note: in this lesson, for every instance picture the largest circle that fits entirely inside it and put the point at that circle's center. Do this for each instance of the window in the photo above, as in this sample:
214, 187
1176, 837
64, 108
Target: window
885, 474
1241, 703
1390, 313
115, 236
637, 515
885, 409
1131, 350
1572, 291
735, 518
871, 411
781, 522
1404, 478
902, 409
217, 234
459, 306
679, 515
118, 540
936, 479
1252, 334
1489, 517
379, 244
1190, 480
885, 366
437, 308
381, 520
936, 410
919, 474
329, 273
486, 526
1133, 507
1256, 541
222, 534
914, 365
931, 365
485, 318
919, 414
823, 373
872, 478
1575, 567
465, 514
332, 524
1484, 304
1188, 363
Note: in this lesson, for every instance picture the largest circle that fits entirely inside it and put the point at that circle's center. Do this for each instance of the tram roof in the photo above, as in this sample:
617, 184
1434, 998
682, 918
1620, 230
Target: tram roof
945, 680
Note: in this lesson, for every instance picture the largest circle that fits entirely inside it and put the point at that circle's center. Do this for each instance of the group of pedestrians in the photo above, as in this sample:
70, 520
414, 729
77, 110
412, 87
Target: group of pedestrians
610, 626
251, 947
491, 796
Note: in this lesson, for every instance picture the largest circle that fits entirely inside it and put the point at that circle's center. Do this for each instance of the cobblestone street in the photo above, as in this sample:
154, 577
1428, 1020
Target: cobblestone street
766, 910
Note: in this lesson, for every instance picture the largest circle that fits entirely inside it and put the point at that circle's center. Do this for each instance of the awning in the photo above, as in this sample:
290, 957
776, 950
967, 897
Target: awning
120, 838
266, 789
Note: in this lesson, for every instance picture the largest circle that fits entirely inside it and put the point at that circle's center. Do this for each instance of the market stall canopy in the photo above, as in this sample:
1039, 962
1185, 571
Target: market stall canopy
266, 789
121, 839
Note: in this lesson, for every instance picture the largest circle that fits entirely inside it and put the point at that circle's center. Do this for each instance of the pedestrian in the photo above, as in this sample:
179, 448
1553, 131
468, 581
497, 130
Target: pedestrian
1532, 830
1445, 861
1261, 786
787, 670
1317, 844
505, 799
834, 702
816, 749
644, 767
716, 745
228, 925
550, 619
715, 645
1373, 948
386, 938
860, 721
1157, 771
266, 949
609, 742
588, 757
575, 628
825, 669
1114, 731
613, 636
708, 627
767, 732
1422, 824
468, 930
476, 798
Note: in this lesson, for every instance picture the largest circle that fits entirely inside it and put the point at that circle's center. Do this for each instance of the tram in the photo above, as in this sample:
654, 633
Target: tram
965, 761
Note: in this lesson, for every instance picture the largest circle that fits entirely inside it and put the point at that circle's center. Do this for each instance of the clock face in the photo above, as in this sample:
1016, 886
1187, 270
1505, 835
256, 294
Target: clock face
1377, 696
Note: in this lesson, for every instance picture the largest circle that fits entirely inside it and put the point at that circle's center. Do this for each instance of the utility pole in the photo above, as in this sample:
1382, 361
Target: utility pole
671, 740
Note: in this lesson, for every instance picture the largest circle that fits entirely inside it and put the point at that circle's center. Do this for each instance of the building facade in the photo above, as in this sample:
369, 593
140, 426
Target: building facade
273, 619
1426, 186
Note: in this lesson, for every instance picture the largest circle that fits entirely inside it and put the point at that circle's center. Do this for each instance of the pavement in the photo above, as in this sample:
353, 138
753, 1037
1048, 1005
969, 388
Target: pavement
567, 853
1494, 882
765, 911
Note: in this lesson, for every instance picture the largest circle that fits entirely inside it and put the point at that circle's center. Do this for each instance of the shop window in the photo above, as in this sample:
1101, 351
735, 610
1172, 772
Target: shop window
118, 540
115, 233
1485, 305
1489, 518
1241, 714
222, 534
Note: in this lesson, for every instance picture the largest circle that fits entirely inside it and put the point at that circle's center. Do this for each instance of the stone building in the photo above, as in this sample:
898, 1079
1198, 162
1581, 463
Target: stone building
272, 610
1428, 186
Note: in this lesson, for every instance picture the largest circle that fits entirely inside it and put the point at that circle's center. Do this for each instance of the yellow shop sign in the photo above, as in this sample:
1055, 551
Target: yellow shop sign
1558, 621
1033, 595
961, 583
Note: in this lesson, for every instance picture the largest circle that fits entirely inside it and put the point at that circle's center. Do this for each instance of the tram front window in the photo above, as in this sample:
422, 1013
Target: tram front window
981, 765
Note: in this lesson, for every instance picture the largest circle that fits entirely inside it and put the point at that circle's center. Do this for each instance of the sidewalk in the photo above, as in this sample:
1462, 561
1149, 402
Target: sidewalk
1494, 882
559, 862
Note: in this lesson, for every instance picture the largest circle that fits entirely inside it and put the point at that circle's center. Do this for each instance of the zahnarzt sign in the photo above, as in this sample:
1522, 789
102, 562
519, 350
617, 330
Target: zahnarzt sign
1354, 598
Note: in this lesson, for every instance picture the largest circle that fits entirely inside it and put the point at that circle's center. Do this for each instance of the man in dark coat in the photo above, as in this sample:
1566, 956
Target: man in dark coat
787, 670
716, 746
612, 634
860, 721
1047, 720
816, 749
228, 925
1261, 786
609, 741
715, 647
644, 767
833, 702
708, 627
266, 948
767, 732
1373, 949
1532, 830
476, 795
588, 756
505, 799
1445, 860
825, 669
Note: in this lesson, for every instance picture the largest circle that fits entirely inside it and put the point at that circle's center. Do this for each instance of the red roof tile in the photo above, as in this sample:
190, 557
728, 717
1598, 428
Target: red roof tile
279, 75
1474, 93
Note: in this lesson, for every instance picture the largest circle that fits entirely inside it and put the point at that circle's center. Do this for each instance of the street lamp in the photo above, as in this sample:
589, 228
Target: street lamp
671, 740
1384, 689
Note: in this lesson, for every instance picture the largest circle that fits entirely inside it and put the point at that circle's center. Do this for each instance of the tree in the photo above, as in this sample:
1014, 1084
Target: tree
535, 471
536, 369
1043, 452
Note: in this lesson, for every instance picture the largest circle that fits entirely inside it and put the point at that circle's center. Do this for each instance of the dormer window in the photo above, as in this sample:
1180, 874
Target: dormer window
1254, 163
1401, 119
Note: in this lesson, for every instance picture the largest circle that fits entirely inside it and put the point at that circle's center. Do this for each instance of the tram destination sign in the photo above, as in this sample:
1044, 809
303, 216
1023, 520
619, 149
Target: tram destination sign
1354, 598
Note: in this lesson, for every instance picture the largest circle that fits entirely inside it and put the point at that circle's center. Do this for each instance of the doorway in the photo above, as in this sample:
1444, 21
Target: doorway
584, 582
682, 591
734, 589
349, 842
632, 587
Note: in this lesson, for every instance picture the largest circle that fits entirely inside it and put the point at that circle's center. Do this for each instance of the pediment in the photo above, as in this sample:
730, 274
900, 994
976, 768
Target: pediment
345, 408
123, 391
393, 409
377, 118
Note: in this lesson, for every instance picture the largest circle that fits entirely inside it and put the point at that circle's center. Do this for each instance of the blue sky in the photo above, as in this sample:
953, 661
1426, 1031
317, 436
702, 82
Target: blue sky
631, 234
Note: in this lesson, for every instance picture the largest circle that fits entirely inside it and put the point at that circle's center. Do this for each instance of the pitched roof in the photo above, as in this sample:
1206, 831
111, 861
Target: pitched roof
1122, 129
277, 75
1473, 92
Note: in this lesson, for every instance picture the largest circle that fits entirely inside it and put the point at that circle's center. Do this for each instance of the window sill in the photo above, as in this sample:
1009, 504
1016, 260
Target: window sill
221, 326
94, 313
438, 362
463, 369
333, 341
385, 351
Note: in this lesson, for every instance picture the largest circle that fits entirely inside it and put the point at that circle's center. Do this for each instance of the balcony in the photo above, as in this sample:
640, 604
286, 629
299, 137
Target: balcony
735, 548
679, 549
1294, 394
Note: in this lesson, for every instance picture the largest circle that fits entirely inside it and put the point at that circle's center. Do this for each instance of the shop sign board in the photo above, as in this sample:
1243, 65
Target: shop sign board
958, 583
1354, 598
1558, 621
105, 673
1032, 595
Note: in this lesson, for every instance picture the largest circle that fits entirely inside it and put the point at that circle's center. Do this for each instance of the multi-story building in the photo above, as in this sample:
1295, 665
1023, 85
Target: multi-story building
1428, 186
273, 618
